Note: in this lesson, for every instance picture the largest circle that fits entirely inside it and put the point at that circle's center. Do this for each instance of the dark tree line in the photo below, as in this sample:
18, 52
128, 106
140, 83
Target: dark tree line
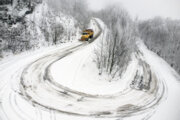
5, 2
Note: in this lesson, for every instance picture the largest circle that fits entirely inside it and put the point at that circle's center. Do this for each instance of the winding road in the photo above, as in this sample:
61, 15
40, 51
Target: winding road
31, 93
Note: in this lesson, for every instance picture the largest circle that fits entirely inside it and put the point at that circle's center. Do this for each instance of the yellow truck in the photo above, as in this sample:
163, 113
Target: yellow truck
87, 34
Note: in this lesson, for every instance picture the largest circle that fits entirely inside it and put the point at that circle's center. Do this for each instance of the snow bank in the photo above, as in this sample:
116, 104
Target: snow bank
169, 109
81, 94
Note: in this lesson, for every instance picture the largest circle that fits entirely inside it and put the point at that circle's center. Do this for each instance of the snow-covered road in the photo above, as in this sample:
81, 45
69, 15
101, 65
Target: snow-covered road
60, 83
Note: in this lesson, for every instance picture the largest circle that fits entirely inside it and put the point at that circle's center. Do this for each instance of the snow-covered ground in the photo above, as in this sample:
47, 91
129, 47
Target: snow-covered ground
169, 109
62, 83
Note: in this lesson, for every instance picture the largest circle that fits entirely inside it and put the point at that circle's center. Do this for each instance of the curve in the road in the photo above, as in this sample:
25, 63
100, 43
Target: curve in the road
141, 95
36, 80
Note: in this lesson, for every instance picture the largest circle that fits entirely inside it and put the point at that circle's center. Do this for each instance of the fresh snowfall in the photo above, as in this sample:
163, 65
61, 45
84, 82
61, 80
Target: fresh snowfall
62, 82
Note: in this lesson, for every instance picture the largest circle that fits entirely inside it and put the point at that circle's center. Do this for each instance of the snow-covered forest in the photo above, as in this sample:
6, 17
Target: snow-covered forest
124, 69
118, 43
163, 37
29, 24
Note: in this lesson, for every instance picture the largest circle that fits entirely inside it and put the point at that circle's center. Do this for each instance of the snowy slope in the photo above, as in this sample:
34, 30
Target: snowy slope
42, 21
169, 109
12, 97
62, 83
43, 27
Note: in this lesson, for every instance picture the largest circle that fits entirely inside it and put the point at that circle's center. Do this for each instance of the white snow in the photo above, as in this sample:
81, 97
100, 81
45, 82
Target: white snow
44, 17
78, 75
169, 109
79, 69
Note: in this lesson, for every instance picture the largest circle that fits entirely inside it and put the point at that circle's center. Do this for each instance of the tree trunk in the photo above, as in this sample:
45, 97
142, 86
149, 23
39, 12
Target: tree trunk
113, 53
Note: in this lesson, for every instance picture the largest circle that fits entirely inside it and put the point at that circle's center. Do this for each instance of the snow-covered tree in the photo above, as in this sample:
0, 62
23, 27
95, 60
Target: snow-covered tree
163, 37
117, 46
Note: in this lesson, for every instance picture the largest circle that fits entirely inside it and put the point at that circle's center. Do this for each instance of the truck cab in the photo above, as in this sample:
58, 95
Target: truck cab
87, 34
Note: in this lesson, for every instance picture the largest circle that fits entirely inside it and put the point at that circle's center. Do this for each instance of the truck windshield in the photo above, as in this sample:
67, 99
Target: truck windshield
84, 33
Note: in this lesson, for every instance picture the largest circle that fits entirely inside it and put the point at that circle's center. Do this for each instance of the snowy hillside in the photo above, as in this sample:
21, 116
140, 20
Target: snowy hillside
52, 74
62, 82
168, 109
51, 27
43, 27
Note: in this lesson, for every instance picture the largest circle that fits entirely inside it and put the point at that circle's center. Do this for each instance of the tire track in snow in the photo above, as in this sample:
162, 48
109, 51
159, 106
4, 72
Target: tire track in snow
36, 77
44, 76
